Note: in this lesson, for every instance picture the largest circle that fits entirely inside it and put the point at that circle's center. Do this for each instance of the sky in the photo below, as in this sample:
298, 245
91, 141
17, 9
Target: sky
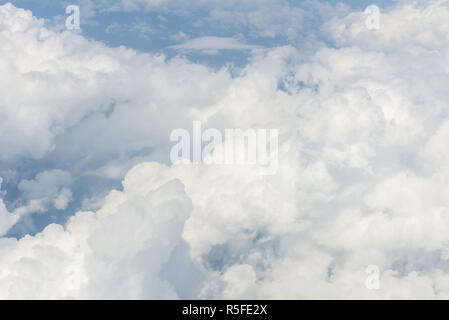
91, 206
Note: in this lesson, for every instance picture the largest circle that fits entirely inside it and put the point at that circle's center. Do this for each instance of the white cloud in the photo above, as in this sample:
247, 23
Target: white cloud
83, 261
409, 26
362, 176
214, 43
49, 188
7, 219
63, 89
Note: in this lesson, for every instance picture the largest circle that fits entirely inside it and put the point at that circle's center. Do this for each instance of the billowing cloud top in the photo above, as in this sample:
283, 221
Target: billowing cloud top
363, 154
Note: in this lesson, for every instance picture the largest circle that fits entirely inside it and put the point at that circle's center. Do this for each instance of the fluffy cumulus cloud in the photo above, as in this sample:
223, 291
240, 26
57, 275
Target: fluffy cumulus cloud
58, 90
267, 17
362, 178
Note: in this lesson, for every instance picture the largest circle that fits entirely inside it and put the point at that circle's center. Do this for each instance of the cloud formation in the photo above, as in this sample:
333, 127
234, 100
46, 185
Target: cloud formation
50, 188
362, 179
